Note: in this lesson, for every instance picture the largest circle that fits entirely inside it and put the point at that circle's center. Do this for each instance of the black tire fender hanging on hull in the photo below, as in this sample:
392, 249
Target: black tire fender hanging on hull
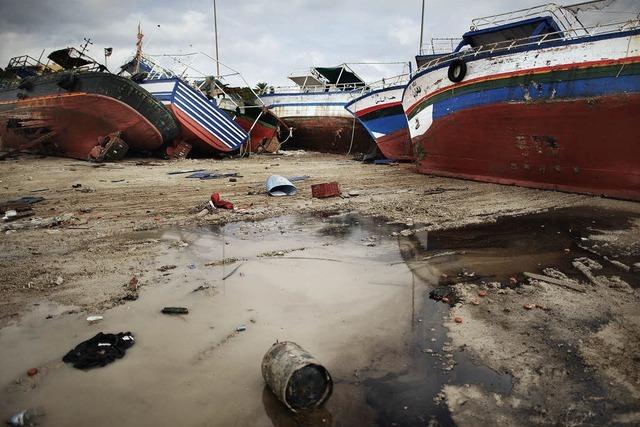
457, 70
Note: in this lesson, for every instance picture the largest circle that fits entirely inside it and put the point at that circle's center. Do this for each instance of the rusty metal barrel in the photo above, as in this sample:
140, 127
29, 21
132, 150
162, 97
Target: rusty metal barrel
296, 378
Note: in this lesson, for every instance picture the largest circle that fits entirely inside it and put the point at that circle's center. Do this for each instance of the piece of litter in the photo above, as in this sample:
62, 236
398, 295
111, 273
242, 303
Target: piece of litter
241, 328
457, 319
94, 319
175, 310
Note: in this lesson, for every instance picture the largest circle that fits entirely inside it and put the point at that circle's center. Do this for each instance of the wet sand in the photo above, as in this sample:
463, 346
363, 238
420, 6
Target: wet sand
357, 296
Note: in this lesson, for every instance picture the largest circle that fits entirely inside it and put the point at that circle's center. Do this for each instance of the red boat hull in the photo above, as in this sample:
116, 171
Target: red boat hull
586, 145
77, 120
328, 134
261, 133
396, 145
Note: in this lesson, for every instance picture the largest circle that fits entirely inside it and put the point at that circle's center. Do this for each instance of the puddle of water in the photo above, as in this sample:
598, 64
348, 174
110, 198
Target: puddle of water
339, 298
342, 287
496, 252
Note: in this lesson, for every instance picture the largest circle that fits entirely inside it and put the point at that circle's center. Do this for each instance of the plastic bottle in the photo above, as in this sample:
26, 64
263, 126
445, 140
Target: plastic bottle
28, 417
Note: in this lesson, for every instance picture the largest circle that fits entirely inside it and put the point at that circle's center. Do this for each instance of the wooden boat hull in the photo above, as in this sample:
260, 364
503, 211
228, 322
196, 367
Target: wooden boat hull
207, 128
381, 114
320, 121
69, 122
328, 135
559, 145
562, 117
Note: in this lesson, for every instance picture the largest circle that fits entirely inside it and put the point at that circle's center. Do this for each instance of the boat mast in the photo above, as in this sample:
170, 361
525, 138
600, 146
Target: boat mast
215, 27
421, 28
138, 50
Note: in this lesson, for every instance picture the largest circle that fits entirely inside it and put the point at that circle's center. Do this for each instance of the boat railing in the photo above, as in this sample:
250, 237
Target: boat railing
440, 46
401, 79
347, 87
539, 40
26, 61
565, 19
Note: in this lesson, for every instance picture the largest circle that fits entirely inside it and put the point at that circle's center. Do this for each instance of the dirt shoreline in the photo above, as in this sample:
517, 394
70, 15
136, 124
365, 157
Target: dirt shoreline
87, 262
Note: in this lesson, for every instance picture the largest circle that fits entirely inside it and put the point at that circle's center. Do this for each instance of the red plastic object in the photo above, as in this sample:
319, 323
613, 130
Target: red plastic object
324, 190
219, 203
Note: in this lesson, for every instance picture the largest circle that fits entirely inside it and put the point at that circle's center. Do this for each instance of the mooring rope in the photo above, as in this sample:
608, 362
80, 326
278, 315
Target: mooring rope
353, 131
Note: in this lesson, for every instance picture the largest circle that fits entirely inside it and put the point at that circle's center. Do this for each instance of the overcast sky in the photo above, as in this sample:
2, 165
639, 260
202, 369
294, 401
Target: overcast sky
265, 40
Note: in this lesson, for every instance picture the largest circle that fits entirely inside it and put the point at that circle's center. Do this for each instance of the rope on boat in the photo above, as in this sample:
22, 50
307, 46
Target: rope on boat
353, 131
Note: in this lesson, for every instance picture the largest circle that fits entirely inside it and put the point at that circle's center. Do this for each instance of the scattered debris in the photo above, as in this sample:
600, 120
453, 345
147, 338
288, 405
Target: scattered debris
175, 310
457, 319
296, 378
585, 265
232, 272
223, 261
32, 372
353, 193
203, 287
28, 417
94, 319
59, 280
39, 222
241, 328
483, 293
180, 172
567, 283
100, 350
213, 175
325, 190
219, 203
528, 306
166, 268
277, 185
281, 252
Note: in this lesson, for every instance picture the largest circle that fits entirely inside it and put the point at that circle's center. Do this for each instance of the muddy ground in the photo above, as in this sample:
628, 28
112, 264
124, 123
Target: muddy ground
570, 355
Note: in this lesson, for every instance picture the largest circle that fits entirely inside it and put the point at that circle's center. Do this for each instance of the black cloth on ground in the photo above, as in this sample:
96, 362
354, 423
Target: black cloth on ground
100, 350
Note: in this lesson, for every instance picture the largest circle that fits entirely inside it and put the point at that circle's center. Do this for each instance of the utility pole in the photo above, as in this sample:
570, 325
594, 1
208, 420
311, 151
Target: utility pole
215, 27
421, 28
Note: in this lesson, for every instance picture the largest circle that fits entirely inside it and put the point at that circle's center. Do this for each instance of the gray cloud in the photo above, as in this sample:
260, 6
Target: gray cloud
265, 40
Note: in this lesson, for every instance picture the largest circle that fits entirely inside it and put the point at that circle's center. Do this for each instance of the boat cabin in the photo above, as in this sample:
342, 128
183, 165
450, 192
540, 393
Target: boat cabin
340, 78
515, 33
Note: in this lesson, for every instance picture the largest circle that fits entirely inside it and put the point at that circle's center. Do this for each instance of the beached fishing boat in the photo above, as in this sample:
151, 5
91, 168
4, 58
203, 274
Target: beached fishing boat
380, 112
266, 130
546, 97
204, 126
314, 108
89, 115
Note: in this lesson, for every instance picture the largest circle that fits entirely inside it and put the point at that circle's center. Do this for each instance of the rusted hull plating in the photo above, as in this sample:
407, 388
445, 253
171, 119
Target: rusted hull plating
561, 145
328, 135
73, 123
